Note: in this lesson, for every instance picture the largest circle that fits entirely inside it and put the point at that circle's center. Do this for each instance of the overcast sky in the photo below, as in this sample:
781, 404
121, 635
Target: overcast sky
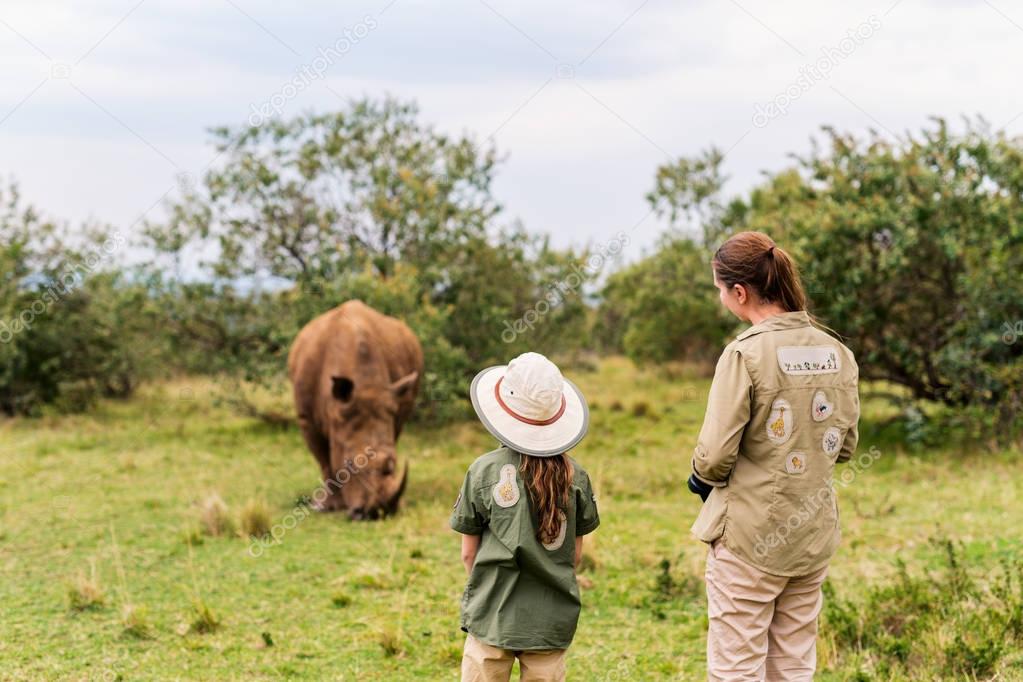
104, 104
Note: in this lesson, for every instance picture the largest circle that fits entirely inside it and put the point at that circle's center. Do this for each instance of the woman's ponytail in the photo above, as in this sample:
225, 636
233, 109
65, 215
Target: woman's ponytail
754, 260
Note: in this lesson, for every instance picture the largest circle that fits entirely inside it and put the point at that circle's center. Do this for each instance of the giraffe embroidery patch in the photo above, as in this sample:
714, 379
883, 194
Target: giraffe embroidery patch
822, 407
808, 359
831, 443
506, 491
795, 463
779, 422
557, 542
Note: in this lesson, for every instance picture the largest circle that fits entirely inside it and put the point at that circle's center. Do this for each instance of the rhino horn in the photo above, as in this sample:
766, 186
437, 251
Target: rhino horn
392, 502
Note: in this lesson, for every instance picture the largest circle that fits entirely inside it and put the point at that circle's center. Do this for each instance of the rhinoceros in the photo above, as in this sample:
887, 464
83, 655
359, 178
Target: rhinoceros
355, 374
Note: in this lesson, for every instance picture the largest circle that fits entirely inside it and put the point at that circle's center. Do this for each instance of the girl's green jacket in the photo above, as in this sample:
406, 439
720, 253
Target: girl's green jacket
521, 594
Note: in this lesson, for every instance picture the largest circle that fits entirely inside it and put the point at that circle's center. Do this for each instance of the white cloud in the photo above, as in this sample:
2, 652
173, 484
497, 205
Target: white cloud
684, 75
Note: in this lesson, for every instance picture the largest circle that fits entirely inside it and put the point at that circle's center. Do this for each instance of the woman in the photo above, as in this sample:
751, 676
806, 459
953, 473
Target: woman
522, 512
782, 411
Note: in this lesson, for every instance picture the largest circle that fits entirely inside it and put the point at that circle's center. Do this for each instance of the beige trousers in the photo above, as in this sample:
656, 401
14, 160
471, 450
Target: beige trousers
763, 627
484, 663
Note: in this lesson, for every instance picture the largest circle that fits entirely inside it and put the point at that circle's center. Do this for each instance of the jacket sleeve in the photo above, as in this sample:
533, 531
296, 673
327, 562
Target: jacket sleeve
468, 514
852, 435
728, 412
586, 516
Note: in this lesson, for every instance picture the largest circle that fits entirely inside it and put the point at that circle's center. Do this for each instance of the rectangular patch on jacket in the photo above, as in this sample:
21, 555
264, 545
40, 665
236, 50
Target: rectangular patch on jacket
808, 359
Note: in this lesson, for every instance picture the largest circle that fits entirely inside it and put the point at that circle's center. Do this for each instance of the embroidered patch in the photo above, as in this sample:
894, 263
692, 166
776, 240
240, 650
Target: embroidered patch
832, 441
808, 359
795, 463
779, 421
822, 407
506, 491
557, 542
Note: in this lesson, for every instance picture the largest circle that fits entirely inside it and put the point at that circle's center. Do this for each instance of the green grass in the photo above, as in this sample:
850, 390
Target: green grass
118, 503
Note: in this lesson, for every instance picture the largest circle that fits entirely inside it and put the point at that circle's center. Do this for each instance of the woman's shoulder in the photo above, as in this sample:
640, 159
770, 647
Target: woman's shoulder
826, 338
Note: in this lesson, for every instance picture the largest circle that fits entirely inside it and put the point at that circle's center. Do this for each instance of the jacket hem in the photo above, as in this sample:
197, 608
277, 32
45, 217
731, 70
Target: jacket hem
813, 568
512, 646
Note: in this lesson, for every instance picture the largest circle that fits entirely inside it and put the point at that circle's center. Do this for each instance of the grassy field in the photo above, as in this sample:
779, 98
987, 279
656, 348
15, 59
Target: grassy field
106, 574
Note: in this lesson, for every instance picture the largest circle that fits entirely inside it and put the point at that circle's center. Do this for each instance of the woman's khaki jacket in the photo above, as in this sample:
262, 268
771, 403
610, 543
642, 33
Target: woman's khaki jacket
783, 409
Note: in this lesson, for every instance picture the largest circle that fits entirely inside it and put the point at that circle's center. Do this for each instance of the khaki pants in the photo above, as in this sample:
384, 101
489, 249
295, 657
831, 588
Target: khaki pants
484, 663
763, 627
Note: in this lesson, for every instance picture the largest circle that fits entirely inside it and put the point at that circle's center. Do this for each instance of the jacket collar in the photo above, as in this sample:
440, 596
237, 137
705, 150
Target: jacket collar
795, 320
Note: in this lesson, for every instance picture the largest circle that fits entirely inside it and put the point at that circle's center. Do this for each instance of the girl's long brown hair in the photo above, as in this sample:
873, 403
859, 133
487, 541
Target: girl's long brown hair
754, 260
549, 481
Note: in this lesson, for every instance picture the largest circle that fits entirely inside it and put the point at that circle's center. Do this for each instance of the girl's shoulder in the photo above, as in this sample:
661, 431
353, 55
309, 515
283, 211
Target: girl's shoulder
580, 479
489, 465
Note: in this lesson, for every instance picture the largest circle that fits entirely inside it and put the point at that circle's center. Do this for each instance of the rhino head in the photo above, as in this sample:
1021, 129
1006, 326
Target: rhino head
364, 422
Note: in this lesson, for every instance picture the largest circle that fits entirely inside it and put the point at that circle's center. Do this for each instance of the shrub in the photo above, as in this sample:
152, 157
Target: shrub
664, 307
72, 328
930, 623
975, 654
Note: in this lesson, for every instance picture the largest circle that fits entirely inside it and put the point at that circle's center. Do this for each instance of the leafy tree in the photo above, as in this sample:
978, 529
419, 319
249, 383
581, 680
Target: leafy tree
687, 193
363, 203
298, 199
912, 250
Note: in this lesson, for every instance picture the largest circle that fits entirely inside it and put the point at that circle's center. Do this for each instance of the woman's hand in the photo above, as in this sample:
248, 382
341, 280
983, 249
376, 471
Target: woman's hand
699, 487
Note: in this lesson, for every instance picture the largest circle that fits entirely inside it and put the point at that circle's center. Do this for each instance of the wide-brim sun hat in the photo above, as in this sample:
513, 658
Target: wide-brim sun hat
530, 407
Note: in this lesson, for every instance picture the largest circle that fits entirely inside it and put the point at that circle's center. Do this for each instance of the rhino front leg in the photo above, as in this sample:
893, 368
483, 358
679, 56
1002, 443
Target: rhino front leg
329, 497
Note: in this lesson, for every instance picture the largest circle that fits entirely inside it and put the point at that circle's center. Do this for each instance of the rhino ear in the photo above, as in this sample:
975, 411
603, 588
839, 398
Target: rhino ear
404, 384
342, 388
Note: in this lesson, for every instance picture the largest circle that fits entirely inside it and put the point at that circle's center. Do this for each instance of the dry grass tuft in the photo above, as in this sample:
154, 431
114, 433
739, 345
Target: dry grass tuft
255, 519
214, 516
85, 593
390, 642
135, 620
204, 620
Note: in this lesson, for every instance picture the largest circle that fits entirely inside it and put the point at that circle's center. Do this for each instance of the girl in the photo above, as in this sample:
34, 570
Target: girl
522, 512
783, 410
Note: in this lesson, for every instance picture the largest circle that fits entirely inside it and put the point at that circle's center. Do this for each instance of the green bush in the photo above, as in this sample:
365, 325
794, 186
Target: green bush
664, 307
72, 329
900, 626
